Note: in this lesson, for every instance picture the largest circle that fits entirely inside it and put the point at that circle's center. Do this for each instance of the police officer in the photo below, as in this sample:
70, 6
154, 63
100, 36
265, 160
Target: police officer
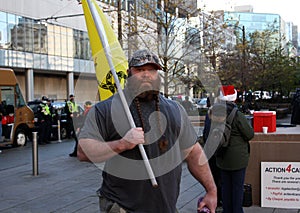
44, 119
50, 120
80, 123
71, 109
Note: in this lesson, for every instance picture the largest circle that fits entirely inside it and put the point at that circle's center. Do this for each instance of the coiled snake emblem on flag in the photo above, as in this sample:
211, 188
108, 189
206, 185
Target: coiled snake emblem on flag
108, 84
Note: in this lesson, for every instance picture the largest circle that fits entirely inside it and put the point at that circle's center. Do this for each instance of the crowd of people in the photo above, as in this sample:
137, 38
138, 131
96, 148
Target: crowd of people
76, 121
45, 116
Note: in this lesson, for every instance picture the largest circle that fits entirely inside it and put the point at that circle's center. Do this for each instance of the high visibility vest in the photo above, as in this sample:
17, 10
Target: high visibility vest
45, 109
72, 106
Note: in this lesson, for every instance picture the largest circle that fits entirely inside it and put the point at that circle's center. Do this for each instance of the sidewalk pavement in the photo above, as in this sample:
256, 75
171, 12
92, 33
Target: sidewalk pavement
64, 184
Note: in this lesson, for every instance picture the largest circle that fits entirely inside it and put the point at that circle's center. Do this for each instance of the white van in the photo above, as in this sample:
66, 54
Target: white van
265, 95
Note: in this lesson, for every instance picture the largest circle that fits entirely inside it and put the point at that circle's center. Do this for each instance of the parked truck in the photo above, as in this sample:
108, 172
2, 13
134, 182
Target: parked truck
18, 118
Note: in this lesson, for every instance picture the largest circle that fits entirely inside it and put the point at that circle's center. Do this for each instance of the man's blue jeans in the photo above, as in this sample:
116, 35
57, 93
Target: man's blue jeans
233, 190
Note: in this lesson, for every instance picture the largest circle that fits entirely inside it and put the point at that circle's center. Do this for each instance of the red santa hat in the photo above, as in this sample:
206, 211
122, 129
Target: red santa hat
228, 93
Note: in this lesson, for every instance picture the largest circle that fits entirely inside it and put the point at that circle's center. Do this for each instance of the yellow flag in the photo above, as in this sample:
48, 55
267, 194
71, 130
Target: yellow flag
106, 82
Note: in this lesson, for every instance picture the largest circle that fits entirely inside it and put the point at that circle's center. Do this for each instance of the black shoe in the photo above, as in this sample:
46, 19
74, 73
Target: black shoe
73, 154
42, 143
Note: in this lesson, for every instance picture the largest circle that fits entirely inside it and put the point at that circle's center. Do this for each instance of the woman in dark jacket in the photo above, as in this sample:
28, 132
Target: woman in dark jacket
234, 158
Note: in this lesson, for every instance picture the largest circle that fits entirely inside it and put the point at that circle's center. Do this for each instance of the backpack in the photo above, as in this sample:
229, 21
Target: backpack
220, 130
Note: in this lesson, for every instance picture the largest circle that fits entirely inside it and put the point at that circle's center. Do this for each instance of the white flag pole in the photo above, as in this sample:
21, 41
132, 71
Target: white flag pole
105, 44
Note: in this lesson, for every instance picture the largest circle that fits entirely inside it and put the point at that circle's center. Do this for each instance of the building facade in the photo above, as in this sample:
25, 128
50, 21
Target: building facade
255, 21
47, 45
49, 57
286, 32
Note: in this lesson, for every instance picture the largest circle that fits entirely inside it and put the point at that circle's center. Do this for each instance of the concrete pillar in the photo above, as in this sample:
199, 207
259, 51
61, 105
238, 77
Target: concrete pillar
70, 83
191, 92
29, 85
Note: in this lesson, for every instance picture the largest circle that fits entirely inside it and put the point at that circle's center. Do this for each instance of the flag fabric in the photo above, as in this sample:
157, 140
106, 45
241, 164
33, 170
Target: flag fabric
111, 58
106, 82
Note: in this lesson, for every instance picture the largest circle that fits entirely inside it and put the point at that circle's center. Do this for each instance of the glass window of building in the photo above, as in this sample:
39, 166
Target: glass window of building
12, 21
86, 46
3, 16
3, 30
29, 36
39, 37
64, 42
81, 44
42, 45
70, 44
18, 37
51, 39
114, 3
43, 38
57, 40
76, 47
36, 38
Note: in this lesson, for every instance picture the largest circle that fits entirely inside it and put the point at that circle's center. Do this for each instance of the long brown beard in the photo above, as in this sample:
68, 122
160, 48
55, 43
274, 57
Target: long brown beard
144, 92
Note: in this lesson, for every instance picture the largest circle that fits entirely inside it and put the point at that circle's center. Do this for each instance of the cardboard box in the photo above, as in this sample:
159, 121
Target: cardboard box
264, 118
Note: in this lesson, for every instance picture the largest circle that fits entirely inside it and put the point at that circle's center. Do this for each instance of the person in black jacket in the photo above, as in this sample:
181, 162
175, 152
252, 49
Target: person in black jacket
73, 120
81, 119
44, 116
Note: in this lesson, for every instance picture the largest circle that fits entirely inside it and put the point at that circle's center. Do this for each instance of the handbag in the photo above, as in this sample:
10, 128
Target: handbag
247, 198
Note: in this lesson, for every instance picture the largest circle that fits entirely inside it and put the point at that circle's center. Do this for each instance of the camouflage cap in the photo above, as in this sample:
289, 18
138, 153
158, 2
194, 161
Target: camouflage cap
143, 57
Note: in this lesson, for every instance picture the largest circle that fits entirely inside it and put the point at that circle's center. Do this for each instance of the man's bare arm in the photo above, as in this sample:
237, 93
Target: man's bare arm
199, 168
99, 151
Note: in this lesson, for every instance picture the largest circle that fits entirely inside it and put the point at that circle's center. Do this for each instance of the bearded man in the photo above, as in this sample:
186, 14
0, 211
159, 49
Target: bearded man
168, 137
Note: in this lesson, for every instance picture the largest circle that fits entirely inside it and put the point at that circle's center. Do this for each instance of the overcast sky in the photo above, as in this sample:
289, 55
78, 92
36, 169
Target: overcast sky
287, 9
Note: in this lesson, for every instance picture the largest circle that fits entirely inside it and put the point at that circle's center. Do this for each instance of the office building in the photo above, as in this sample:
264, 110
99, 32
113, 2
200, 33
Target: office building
45, 42
50, 56
286, 32
47, 45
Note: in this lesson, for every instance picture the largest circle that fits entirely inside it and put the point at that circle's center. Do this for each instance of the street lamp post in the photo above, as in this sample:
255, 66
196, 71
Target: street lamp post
244, 58
243, 67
